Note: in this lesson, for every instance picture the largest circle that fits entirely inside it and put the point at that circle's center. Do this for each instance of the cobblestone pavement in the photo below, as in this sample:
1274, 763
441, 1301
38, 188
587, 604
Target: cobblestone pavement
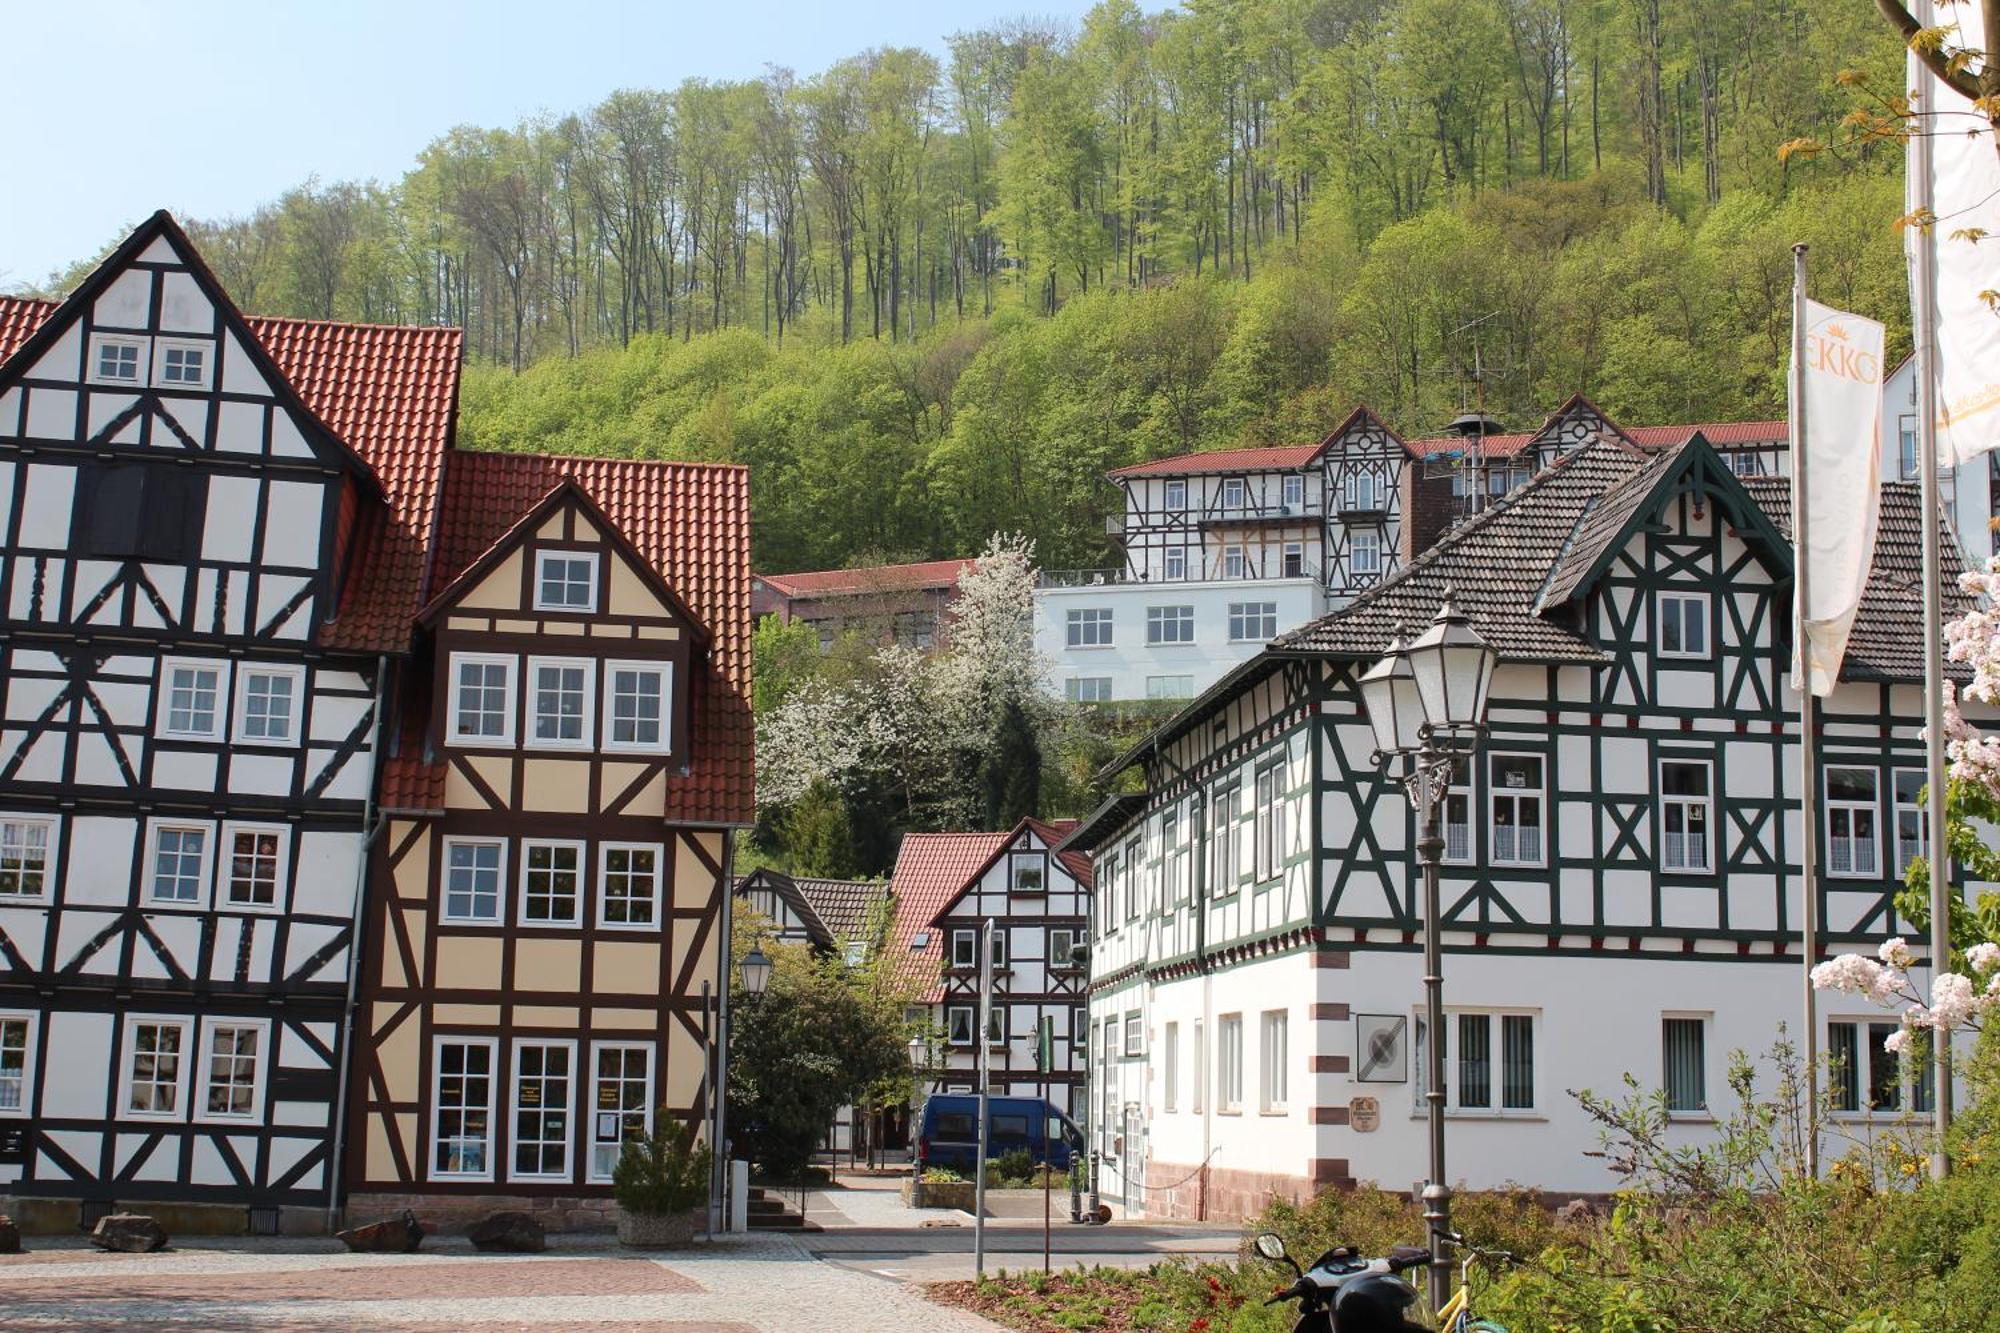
752, 1284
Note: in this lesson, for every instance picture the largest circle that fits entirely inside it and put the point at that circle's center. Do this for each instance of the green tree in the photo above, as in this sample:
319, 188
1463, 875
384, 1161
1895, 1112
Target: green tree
819, 834
1012, 775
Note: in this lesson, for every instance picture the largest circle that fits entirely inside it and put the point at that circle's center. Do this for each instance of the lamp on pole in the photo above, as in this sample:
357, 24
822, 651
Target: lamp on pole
756, 971
1426, 702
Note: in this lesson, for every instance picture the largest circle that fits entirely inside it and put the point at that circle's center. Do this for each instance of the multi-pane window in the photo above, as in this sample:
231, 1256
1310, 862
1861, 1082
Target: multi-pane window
1229, 1063
1458, 813
959, 1022
1232, 493
1274, 1060
1867, 1075
154, 1067
565, 581
1225, 841
1170, 687
638, 697
462, 1125
1683, 624
628, 889
561, 697
255, 865
1134, 867
1176, 558
1170, 1068
117, 360
1027, 872
1233, 565
180, 862
551, 883
230, 1069
542, 1073
183, 365
621, 1104
1295, 491
482, 698
965, 948
194, 700
1684, 816
269, 702
1294, 561
1684, 1063
1170, 624
1173, 865
1253, 621
1365, 552
1489, 1064
1852, 838
1088, 627
14, 1047
1912, 827
1176, 495
24, 857
1270, 834
1361, 491
1906, 447
472, 872
1087, 689
1107, 891
1062, 947
1516, 801
1135, 1035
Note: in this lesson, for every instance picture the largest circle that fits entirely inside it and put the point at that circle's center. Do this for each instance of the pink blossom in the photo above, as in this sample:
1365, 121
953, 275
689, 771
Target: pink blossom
1895, 953
1983, 957
1896, 1041
1848, 972
1953, 1002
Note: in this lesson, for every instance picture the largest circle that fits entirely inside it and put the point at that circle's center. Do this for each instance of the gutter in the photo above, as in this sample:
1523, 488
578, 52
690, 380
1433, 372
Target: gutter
372, 825
718, 1170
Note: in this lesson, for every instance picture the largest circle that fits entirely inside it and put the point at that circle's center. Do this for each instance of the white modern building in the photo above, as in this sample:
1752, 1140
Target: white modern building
1621, 889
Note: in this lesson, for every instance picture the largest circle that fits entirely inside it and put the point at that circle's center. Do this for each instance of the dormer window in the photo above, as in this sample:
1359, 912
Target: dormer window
116, 360
566, 581
181, 365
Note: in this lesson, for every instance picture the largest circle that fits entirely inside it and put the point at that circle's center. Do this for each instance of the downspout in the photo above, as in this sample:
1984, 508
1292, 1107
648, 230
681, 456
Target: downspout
718, 1159
1204, 818
371, 827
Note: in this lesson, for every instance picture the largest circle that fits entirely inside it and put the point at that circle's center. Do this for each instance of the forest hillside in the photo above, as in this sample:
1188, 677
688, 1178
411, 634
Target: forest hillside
926, 299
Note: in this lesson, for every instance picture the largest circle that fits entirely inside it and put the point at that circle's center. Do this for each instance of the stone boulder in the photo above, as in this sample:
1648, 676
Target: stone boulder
128, 1233
10, 1235
507, 1233
392, 1235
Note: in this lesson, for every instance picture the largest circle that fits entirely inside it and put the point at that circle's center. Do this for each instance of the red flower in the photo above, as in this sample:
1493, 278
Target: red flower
1200, 1325
1213, 1284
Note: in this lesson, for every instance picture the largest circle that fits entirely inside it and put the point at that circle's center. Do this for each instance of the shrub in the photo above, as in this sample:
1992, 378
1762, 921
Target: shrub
663, 1172
1016, 1165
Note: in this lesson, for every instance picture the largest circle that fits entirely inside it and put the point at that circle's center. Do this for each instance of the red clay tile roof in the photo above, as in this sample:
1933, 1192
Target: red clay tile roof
1721, 434
392, 395
875, 578
1264, 459
409, 785
691, 522
1496, 446
930, 870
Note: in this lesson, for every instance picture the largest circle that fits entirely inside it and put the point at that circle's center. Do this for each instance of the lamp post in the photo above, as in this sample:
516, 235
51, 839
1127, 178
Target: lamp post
920, 1074
756, 971
1426, 703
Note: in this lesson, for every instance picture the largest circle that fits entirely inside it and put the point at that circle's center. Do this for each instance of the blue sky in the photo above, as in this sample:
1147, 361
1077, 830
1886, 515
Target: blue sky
209, 107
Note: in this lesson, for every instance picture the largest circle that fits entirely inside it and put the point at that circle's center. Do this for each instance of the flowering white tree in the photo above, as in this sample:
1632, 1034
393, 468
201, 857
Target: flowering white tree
992, 658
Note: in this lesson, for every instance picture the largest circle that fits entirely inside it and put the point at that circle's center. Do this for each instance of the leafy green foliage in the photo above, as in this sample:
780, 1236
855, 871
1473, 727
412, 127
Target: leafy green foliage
819, 835
662, 1172
1013, 769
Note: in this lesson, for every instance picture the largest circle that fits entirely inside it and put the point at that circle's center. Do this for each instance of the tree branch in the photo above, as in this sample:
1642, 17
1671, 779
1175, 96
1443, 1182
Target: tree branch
1905, 23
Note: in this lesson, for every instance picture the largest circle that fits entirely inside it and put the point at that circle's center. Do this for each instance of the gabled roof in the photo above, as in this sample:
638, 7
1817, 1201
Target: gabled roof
843, 904
787, 888
1110, 816
690, 522
392, 395
939, 574
931, 868
1269, 458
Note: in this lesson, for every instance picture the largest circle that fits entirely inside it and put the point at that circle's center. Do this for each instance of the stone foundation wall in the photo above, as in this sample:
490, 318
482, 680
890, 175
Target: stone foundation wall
1174, 1189
452, 1213
42, 1216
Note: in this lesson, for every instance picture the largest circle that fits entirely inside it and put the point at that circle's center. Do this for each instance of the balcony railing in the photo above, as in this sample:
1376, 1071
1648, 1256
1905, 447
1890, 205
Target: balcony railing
1193, 572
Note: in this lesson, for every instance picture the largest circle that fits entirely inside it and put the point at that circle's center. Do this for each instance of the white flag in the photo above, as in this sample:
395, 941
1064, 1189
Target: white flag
1965, 175
1843, 393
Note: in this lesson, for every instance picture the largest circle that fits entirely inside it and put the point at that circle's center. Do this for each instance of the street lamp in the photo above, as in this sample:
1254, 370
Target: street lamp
756, 971
1426, 702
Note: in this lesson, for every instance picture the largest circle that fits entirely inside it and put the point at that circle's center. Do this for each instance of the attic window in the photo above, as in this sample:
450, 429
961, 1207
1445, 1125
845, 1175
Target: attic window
566, 581
181, 365
920, 941
116, 360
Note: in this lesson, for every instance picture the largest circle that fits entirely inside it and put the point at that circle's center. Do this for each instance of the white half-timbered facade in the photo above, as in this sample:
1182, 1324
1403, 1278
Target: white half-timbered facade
1621, 884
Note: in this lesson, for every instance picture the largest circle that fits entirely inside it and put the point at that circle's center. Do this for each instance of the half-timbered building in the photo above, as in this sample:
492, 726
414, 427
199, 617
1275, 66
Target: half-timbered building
548, 927
212, 535
946, 886
827, 915
1622, 891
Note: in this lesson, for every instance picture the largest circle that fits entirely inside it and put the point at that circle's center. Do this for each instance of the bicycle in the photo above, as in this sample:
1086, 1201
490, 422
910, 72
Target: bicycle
1457, 1316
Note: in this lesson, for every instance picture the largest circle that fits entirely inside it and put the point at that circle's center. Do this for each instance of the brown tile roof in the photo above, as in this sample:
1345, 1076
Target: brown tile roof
691, 523
872, 579
1495, 446
843, 904
410, 785
930, 870
1265, 459
391, 394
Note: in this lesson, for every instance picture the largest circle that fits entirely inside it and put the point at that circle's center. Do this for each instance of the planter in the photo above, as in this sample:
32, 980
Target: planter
959, 1194
658, 1231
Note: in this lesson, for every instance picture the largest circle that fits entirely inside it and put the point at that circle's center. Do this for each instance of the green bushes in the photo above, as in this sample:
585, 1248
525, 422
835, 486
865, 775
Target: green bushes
664, 1172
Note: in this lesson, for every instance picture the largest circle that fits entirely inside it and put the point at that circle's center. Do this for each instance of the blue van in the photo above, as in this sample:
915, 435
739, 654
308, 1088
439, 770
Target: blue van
949, 1134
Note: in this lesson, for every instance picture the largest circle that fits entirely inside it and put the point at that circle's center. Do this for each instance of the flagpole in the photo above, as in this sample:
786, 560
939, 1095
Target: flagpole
1808, 745
1923, 290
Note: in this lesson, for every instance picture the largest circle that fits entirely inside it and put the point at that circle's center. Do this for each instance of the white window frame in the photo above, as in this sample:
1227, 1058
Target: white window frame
1274, 1059
1099, 691
514, 1108
218, 729
1229, 1064
1134, 1034
1465, 790
1079, 1028
260, 1073
596, 574
997, 1034
1019, 861
1496, 1107
1174, 499
142, 363
1170, 1068
512, 707
972, 936
1913, 845
207, 348
445, 914
1240, 488
128, 1049
51, 849
494, 1074
1846, 810
586, 737
1294, 490
665, 671
577, 915
1197, 1090
1176, 562
1495, 794
32, 1023
1667, 802
1235, 561
1268, 837
1248, 622
1680, 600
1158, 618
225, 855
1912, 1081
650, 1049
204, 889
1089, 627
1171, 686
241, 730
1286, 552
1225, 837
604, 851
1371, 542
1706, 1022
1059, 955
970, 1013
